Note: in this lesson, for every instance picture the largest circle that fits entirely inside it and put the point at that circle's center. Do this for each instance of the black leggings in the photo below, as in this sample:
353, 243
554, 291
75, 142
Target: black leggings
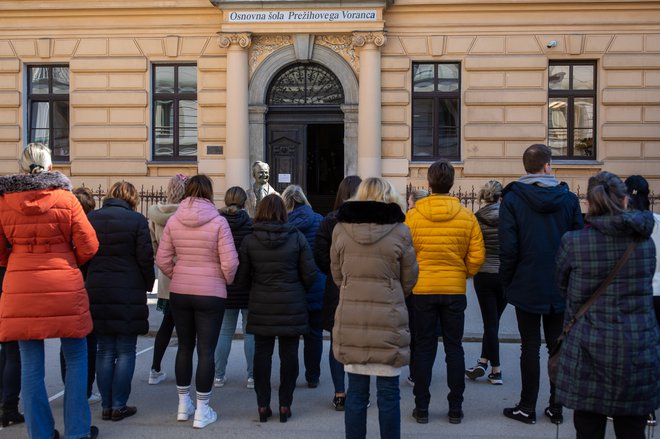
163, 337
492, 303
10, 374
590, 425
196, 317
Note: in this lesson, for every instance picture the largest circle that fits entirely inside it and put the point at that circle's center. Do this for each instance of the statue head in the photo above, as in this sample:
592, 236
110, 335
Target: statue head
260, 172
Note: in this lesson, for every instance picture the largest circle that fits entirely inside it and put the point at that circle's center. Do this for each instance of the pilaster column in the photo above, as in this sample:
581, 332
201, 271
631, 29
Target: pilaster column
237, 151
369, 112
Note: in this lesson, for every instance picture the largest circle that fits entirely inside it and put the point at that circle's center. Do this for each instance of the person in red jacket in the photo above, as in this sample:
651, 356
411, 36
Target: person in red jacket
50, 237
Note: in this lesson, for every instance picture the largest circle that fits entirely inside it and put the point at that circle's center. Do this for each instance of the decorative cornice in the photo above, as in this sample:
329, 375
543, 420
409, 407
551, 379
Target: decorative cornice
361, 39
242, 39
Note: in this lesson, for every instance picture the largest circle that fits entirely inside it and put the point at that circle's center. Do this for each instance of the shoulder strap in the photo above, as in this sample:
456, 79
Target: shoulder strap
601, 288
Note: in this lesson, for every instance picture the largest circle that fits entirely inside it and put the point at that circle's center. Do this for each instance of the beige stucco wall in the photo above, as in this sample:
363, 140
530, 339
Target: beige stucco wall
501, 46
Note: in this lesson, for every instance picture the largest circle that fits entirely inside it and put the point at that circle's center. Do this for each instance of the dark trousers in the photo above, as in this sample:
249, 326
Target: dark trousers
411, 325
492, 303
529, 326
263, 361
313, 347
196, 317
449, 310
10, 374
91, 363
590, 425
163, 337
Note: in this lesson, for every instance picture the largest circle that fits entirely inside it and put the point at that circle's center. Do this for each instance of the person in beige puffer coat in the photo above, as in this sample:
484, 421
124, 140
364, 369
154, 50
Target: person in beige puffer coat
373, 262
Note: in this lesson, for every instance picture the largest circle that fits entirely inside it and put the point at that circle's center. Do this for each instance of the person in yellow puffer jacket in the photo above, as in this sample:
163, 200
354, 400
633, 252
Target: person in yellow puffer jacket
449, 246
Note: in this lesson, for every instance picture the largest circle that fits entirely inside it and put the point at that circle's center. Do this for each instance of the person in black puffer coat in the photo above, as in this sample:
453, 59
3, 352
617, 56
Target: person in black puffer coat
277, 266
118, 279
346, 190
237, 298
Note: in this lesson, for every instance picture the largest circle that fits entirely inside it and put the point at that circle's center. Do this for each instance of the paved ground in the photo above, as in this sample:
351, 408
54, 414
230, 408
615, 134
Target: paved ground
313, 415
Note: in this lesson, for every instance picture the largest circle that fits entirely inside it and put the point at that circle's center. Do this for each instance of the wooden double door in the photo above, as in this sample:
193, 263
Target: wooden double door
307, 149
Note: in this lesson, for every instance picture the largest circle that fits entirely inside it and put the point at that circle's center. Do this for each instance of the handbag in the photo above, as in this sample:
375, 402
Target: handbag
555, 351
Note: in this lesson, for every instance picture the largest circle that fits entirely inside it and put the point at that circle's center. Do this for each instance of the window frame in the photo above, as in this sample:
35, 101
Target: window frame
50, 98
437, 97
570, 95
175, 97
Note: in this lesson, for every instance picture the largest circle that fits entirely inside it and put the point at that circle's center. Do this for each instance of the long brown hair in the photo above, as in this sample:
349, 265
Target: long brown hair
199, 186
347, 189
606, 194
271, 209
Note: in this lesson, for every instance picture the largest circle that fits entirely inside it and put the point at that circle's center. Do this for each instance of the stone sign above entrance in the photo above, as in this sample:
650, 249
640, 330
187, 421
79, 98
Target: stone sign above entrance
301, 16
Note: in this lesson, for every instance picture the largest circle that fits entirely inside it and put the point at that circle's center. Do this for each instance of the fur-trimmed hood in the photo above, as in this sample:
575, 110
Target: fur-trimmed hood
368, 222
33, 194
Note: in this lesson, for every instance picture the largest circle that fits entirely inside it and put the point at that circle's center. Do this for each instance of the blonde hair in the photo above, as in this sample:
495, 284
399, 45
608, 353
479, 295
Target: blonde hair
292, 195
176, 188
377, 189
491, 192
124, 190
35, 159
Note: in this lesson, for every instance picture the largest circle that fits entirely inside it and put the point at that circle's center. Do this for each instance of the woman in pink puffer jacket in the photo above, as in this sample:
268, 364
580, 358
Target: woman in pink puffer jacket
197, 252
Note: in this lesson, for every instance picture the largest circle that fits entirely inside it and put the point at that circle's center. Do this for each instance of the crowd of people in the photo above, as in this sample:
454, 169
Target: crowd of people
383, 280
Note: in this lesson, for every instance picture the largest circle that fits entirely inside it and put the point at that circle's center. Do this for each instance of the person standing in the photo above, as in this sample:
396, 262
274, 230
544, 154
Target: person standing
158, 214
373, 262
277, 266
302, 216
197, 252
118, 279
535, 212
450, 248
488, 286
322, 244
237, 298
10, 377
50, 238
609, 362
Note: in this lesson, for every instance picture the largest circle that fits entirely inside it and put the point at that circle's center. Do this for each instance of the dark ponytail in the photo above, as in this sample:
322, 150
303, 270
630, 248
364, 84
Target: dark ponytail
606, 194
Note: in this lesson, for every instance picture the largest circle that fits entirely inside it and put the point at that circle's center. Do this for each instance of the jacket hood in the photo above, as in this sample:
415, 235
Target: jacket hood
438, 208
302, 216
237, 218
161, 212
634, 223
195, 212
33, 194
116, 202
540, 199
367, 222
273, 235
489, 215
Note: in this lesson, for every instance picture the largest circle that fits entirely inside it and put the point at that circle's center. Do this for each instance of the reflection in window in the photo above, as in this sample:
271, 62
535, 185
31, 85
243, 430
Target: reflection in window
436, 111
48, 108
174, 112
571, 109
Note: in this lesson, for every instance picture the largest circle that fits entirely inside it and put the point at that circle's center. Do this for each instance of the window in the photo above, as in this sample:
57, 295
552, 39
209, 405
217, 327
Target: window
571, 109
306, 84
436, 111
48, 108
174, 112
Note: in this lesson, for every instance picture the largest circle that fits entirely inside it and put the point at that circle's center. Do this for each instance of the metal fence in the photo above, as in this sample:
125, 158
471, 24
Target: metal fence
147, 197
470, 199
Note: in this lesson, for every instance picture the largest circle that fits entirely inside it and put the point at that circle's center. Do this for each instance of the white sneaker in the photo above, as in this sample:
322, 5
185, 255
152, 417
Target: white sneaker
95, 398
250, 383
204, 417
220, 382
186, 410
156, 377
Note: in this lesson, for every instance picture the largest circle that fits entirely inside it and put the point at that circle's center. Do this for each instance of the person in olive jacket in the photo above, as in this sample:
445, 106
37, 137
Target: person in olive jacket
277, 265
118, 279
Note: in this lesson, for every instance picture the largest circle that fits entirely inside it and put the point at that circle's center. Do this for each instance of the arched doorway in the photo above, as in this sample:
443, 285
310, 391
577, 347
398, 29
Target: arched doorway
305, 131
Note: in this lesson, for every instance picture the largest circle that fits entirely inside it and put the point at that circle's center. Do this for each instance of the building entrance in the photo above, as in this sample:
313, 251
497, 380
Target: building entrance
305, 133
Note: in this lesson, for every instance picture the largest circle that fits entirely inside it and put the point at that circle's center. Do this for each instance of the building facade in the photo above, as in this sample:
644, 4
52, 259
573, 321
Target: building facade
140, 90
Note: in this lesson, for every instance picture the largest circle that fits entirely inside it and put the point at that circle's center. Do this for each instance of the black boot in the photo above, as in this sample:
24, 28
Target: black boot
11, 415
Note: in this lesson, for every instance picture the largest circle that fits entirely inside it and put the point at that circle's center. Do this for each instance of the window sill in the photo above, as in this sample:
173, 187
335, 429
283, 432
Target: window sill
575, 163
173, 163
426, 163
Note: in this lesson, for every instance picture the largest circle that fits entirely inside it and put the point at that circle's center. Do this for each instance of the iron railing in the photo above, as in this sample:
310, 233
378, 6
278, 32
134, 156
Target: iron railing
147, 197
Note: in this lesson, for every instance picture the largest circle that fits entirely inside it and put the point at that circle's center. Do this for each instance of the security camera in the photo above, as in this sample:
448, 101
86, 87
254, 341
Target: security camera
552, 44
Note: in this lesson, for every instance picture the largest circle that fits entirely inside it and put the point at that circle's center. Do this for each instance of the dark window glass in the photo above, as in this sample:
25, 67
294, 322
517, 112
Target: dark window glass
48, 108
174, 112
305, 84
436, 111
571, 110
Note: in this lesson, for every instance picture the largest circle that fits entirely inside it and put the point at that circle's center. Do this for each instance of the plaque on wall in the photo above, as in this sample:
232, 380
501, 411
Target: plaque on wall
284, 178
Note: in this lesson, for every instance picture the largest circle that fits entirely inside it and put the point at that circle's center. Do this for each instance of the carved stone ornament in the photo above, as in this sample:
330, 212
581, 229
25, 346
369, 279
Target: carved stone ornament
243, 39
362, 38
264, 45
342, 45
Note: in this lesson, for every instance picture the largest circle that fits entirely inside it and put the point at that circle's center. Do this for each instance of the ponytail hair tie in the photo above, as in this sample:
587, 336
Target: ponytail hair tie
181, 177
36, 169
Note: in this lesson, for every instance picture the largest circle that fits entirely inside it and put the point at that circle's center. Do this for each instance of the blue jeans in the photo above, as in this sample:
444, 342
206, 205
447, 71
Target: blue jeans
449, 310
222, 349
336, 371
389, 411
38, 416
115, 364
313, 347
